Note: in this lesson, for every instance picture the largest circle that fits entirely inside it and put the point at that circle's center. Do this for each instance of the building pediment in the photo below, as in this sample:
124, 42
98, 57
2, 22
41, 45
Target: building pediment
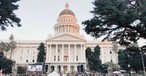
66, 37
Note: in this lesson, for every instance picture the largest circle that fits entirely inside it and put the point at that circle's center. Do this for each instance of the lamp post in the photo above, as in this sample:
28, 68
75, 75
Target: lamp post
129, 68
142, 49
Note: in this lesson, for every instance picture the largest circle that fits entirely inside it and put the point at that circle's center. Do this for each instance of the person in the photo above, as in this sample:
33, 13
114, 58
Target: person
122, 74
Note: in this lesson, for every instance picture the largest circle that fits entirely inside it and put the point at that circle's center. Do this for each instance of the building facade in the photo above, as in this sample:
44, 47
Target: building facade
65, 50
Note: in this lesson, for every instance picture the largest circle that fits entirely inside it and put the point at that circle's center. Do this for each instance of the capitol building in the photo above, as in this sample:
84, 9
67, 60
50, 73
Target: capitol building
65, 50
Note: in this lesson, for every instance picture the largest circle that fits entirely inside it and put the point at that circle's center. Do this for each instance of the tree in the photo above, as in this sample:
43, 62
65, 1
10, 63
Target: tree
89, 57
88, 52
131, 56
109, 64
12, 45
5, 47
96, 56
94, 62
123, 21
5, 64
7, 15
123, 60
41, 54
21, 70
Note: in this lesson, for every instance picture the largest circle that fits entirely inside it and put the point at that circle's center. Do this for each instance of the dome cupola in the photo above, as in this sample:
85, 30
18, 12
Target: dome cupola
66, 22
66, 11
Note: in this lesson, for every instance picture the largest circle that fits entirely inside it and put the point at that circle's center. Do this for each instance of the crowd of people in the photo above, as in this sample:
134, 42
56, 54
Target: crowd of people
75, 74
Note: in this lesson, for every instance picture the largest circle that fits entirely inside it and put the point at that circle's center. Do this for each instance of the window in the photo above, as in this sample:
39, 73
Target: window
76, 58
26, 60
111, 60
65, 58
110, 52
54, 58
33, 57
21, 50
20, 58
58, 50
27, 51
58, 58
34, 52
32, 60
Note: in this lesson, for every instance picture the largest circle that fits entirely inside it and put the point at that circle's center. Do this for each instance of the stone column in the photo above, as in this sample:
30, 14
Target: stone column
75, 53
85, 67
50, 57
64, 28
69, 55
48, 51
62, 70
58, 29
55, 68
84, 54
62, 52
67, 29
49, 68
75, 68
81, 54
68, 68
56, 52
61, 29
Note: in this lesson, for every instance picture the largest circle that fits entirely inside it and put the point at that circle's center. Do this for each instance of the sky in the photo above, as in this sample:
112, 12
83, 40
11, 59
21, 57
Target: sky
38, 18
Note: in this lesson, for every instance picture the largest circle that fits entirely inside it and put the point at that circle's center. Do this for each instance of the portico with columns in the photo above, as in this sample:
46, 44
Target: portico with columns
66, 49
65, 56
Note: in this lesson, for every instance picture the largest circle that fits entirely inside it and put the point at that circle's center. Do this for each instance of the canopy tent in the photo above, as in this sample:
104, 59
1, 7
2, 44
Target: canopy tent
53, 74
123, 71
116, 72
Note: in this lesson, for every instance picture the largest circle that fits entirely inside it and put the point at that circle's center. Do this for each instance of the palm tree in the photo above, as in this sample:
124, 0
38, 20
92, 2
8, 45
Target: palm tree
12, 45
5, 47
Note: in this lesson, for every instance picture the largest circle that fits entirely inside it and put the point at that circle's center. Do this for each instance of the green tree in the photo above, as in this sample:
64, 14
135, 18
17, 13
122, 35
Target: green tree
89, 56
88, 52
5, 64
5, 47
7, 15
104, 68
94, 62
109, 64
123, 21
96, 56
131, 56
41, 54
21, 70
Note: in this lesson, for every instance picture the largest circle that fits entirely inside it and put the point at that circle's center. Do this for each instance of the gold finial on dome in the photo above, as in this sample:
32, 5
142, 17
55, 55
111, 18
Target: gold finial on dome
67, 6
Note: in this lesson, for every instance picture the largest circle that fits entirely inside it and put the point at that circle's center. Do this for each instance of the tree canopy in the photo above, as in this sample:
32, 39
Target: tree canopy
7, 15
123, 21
41, 54
130, 58
5, 64
94, 62
21, 70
